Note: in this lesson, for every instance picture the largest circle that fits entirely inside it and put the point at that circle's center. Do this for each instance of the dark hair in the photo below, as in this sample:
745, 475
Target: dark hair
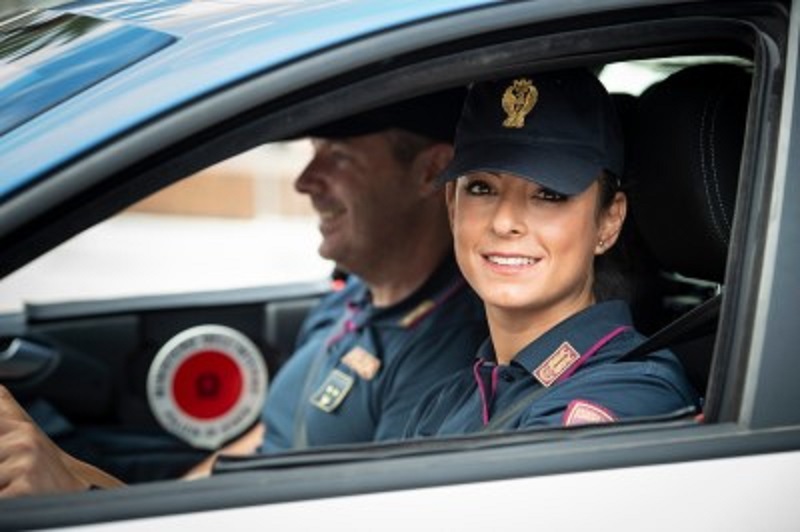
611, 269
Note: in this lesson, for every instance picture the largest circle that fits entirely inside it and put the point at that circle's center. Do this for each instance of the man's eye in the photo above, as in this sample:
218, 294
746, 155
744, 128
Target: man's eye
341, 156
550, 195
477, 188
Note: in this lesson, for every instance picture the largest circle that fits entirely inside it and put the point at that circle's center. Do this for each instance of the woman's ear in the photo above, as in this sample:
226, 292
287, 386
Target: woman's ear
611, 223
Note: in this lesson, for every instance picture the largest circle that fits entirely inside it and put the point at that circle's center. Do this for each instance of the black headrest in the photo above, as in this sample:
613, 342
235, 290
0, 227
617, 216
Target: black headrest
683, 165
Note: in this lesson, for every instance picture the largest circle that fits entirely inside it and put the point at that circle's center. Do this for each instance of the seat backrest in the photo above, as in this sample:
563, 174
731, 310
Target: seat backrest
684, 151
683, 168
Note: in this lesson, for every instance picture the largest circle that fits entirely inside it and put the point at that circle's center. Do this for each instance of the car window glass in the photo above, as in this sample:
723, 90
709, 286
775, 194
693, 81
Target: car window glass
236, 224
48, 58
633, 77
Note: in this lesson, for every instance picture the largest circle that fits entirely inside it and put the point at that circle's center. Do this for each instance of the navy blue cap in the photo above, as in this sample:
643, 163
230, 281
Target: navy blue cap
433, 115
557, 129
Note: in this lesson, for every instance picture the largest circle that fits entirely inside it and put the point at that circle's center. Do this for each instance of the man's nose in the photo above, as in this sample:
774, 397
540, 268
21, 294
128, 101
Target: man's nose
311, 179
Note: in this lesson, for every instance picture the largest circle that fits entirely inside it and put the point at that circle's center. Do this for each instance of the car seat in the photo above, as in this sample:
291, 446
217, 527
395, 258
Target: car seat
684, 151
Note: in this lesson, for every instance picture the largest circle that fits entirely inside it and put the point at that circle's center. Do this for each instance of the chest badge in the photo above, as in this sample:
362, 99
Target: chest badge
556, 364
518, 100
364, 363
333, 390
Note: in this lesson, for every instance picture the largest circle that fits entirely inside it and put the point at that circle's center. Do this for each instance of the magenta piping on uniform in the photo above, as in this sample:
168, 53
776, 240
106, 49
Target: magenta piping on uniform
592, 350
481, 390
455, 287
495, 372
460, 282
486, 398
348, 326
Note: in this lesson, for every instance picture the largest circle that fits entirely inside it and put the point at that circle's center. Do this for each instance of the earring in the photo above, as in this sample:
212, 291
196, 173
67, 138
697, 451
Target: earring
602, 244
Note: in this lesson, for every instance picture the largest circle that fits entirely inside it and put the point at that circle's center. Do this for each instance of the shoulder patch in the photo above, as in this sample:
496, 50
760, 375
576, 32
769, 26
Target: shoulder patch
556, 364
581, 412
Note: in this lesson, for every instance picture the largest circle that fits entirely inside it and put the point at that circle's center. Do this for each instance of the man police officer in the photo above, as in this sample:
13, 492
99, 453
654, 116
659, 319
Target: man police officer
404, 320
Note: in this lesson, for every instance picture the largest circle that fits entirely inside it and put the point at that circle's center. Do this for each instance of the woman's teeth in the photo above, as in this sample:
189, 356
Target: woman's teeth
510, 261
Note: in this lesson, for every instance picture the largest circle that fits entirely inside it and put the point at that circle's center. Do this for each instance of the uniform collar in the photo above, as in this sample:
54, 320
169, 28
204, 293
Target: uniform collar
445, 277
582, 331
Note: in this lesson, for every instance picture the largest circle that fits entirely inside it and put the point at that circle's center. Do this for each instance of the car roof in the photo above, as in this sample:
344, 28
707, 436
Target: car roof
165, 54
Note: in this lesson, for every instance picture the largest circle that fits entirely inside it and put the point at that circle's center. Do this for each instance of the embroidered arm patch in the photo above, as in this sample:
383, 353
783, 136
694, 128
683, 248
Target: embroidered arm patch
581, 412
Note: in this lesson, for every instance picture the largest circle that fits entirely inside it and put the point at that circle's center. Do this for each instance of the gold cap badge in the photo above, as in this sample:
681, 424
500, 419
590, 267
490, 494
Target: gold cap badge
518, 100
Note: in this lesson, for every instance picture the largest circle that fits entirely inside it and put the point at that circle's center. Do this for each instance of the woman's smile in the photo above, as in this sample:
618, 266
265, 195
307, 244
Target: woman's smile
509, 263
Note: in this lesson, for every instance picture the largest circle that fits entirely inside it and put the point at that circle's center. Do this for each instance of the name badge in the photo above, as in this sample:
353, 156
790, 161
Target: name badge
332, 392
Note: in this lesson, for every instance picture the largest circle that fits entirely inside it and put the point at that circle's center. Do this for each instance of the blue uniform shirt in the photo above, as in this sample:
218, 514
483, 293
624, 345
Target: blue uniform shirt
359, 370
575, 360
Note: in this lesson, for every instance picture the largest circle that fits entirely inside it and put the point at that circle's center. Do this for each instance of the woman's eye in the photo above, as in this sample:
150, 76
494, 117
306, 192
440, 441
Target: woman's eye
550, 195
477, 188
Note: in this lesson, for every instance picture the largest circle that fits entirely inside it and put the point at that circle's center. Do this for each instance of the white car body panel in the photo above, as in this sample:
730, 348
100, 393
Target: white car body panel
723, 494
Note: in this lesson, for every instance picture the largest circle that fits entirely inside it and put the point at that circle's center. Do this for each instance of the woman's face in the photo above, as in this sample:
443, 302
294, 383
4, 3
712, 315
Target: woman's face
525, 248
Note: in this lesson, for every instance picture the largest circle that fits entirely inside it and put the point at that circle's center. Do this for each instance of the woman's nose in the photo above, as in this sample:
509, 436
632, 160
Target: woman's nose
508, 217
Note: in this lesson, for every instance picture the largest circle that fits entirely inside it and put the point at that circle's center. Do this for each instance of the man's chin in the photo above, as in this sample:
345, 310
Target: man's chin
328, 251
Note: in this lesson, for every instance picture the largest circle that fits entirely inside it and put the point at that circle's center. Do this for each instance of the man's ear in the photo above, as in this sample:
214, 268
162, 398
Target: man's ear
611, 223
431, 162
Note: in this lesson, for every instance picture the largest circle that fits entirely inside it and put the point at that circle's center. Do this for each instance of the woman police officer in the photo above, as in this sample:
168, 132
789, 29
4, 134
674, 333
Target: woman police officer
534, 202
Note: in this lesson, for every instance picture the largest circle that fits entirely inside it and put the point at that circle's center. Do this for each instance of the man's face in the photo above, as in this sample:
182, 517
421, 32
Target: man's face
362, 195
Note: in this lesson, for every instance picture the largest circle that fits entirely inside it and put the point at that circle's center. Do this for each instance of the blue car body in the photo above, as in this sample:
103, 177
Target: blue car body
169, 52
